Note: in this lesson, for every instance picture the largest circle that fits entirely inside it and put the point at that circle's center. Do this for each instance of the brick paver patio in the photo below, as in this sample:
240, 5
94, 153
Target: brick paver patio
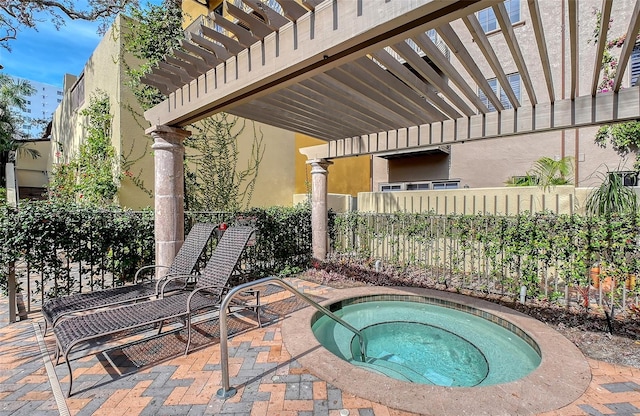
152, 377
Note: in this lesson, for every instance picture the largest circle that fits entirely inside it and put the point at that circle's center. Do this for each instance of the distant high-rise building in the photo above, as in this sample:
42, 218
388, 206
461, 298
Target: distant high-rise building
40, 107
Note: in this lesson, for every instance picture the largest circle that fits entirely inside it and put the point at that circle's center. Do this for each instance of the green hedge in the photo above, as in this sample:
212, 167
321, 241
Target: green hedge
71, 248
536, 250
50, 238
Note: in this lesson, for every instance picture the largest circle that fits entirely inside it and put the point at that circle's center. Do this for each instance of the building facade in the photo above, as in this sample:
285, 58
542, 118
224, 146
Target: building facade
105, 71
40, 107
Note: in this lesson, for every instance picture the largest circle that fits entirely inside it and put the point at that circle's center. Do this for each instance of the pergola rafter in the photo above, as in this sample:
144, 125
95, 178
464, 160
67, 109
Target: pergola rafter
341, 70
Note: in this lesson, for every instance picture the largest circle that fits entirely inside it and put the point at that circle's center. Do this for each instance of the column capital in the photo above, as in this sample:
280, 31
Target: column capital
319, 165
166, 136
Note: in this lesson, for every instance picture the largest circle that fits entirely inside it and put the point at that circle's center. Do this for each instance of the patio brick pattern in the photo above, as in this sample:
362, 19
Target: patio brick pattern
152, 377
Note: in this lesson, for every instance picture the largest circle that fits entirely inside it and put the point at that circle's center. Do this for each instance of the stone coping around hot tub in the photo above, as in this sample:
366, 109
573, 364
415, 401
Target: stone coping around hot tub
562, 376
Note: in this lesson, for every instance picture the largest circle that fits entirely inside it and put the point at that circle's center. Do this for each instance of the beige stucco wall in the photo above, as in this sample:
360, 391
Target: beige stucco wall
33, 172
492, 162
335, 202
505, 200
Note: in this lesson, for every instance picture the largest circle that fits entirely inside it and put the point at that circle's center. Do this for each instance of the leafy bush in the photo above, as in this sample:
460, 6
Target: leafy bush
494, 253
46, 237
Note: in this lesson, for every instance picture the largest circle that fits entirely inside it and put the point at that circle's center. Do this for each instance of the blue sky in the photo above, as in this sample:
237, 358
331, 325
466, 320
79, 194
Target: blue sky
47, 54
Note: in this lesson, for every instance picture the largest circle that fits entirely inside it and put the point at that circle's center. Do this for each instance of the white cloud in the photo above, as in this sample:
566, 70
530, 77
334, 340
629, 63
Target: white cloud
47, 54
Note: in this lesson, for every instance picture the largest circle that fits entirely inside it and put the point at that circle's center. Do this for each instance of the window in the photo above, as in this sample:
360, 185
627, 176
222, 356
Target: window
487, 18
629, 177
59, 92
635, 65
391, 187
420, 186
514, 81
59, 100
28, 102
446, 185
77, 93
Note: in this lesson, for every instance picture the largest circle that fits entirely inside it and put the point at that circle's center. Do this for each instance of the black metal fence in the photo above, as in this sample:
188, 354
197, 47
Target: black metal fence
59, 249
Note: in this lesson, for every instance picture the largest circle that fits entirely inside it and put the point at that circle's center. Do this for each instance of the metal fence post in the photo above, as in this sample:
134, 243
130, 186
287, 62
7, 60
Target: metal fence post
11, 283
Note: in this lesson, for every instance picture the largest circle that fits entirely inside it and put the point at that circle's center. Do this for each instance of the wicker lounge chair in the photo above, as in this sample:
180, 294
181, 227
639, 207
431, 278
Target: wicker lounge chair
204, 296
183, 264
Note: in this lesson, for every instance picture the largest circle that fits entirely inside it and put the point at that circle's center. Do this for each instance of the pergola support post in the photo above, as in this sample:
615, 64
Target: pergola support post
319, 215
168, 150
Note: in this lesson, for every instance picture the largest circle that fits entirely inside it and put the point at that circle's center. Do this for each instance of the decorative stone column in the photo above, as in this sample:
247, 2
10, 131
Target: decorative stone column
168, 150
319, 216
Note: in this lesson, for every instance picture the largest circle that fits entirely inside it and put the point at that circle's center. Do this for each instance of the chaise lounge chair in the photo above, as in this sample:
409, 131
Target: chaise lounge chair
205, 296
183, 264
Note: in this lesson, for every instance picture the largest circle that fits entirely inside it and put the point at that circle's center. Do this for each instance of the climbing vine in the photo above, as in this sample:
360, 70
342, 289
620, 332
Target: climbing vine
623, 137
151, 33
92, 176
213, 179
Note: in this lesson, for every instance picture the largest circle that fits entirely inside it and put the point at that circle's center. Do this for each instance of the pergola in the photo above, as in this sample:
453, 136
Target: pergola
368, 76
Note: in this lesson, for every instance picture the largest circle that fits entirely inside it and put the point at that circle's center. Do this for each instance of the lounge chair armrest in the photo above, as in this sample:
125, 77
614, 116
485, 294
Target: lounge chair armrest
152, 266
161, 284
200, 289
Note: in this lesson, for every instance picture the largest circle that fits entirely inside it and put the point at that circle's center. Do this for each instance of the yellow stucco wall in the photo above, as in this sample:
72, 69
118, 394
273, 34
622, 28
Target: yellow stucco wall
346, 176
191, 9
275, 180
275, 183
105, 71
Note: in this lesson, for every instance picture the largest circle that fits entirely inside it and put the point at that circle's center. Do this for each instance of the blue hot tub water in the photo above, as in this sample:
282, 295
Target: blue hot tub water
428, 344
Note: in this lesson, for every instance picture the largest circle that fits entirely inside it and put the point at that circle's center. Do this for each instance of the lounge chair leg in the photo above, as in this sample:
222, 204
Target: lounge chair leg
46, 326
66, 360
58, 352
188, 325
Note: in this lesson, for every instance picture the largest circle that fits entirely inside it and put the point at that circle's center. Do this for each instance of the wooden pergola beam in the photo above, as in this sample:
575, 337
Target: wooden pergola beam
627, 47
291, 9
397, 90
507, 30
476, 31
258, 28
565, 114
538, 30
428, 73
437, 57
343, 113
573, 46
409, 78
456, 46
207, 56
272, 18
243, 36
605, 16
230, 47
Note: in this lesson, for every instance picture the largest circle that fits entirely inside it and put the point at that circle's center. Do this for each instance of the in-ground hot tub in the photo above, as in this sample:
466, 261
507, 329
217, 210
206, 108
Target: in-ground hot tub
438, 353
429, 341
